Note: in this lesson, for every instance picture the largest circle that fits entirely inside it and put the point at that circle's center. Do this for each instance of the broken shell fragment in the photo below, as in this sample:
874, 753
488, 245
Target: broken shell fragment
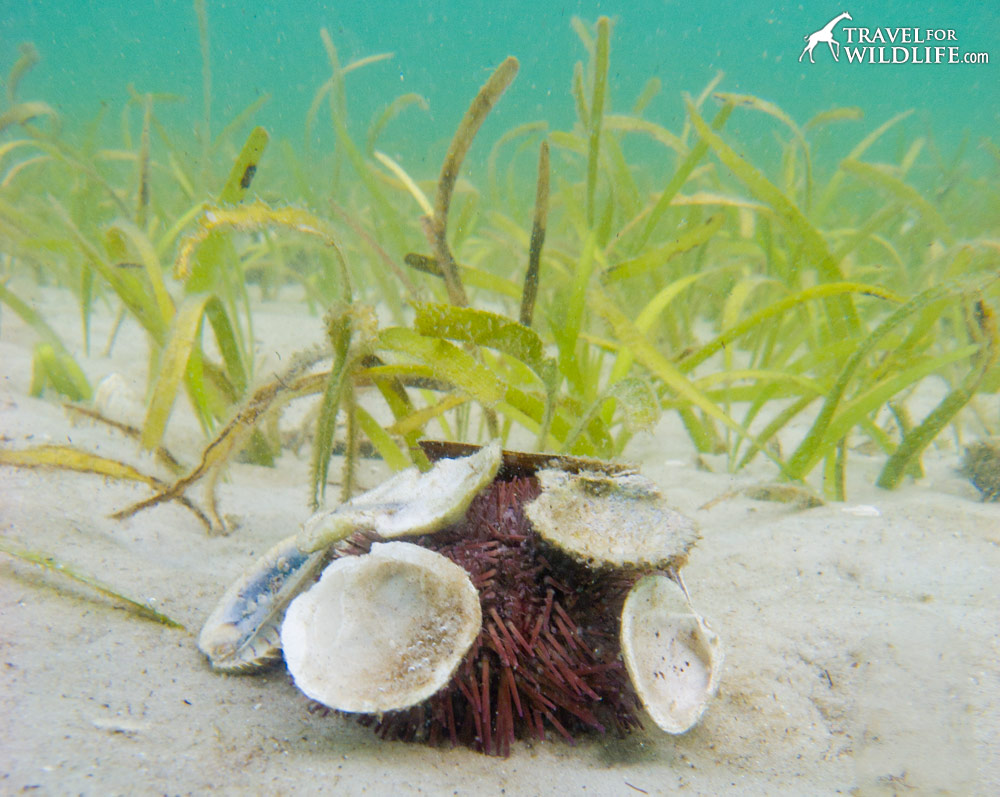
610, 519
381, 631
673, 658
409, 503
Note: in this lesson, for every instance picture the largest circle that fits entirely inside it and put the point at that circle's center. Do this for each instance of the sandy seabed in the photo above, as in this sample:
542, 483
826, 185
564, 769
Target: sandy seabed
862, 639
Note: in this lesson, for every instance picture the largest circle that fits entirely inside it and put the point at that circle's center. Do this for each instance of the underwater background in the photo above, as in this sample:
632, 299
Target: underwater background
815, 184
772, 283
445, 50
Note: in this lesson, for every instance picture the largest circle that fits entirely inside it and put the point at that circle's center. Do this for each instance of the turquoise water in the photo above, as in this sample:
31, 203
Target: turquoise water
92, 51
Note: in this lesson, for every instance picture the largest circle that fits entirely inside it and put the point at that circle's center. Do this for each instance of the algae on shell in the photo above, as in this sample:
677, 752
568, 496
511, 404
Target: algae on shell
611, 519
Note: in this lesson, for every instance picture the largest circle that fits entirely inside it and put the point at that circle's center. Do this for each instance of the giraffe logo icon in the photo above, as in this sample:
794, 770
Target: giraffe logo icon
824, 34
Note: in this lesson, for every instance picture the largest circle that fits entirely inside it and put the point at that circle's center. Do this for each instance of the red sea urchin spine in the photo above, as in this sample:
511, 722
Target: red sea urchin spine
548, 650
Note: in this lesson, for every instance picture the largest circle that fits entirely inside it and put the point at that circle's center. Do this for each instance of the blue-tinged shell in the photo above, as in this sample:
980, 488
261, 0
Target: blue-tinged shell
242, 634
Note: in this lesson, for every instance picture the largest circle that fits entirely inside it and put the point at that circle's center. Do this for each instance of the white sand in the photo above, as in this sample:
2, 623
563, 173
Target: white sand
862, 648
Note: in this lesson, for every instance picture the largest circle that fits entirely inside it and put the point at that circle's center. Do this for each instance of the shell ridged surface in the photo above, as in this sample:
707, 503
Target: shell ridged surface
610, 519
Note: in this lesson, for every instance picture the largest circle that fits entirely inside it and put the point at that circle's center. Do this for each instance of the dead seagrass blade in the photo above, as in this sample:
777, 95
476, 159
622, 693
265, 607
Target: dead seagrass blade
672, 656
381, 631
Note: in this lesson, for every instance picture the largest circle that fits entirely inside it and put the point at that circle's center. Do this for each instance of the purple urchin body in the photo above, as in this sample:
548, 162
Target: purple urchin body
548, 654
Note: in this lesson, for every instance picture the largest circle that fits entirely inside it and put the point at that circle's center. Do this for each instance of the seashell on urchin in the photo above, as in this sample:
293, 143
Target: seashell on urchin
547, 653
409, 503
673, 658
611, 519
381, 631
241, 634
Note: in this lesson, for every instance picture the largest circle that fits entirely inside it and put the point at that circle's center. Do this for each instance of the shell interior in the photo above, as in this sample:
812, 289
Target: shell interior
381, 631
671, 655
610, 519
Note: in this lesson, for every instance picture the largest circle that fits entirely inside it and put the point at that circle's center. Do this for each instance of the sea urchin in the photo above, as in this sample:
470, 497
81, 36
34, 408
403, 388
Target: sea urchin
562, 639
547, 655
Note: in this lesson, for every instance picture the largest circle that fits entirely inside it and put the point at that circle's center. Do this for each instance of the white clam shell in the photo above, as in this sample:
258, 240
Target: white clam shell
382, 631
610, 519
672, 656
409, 503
